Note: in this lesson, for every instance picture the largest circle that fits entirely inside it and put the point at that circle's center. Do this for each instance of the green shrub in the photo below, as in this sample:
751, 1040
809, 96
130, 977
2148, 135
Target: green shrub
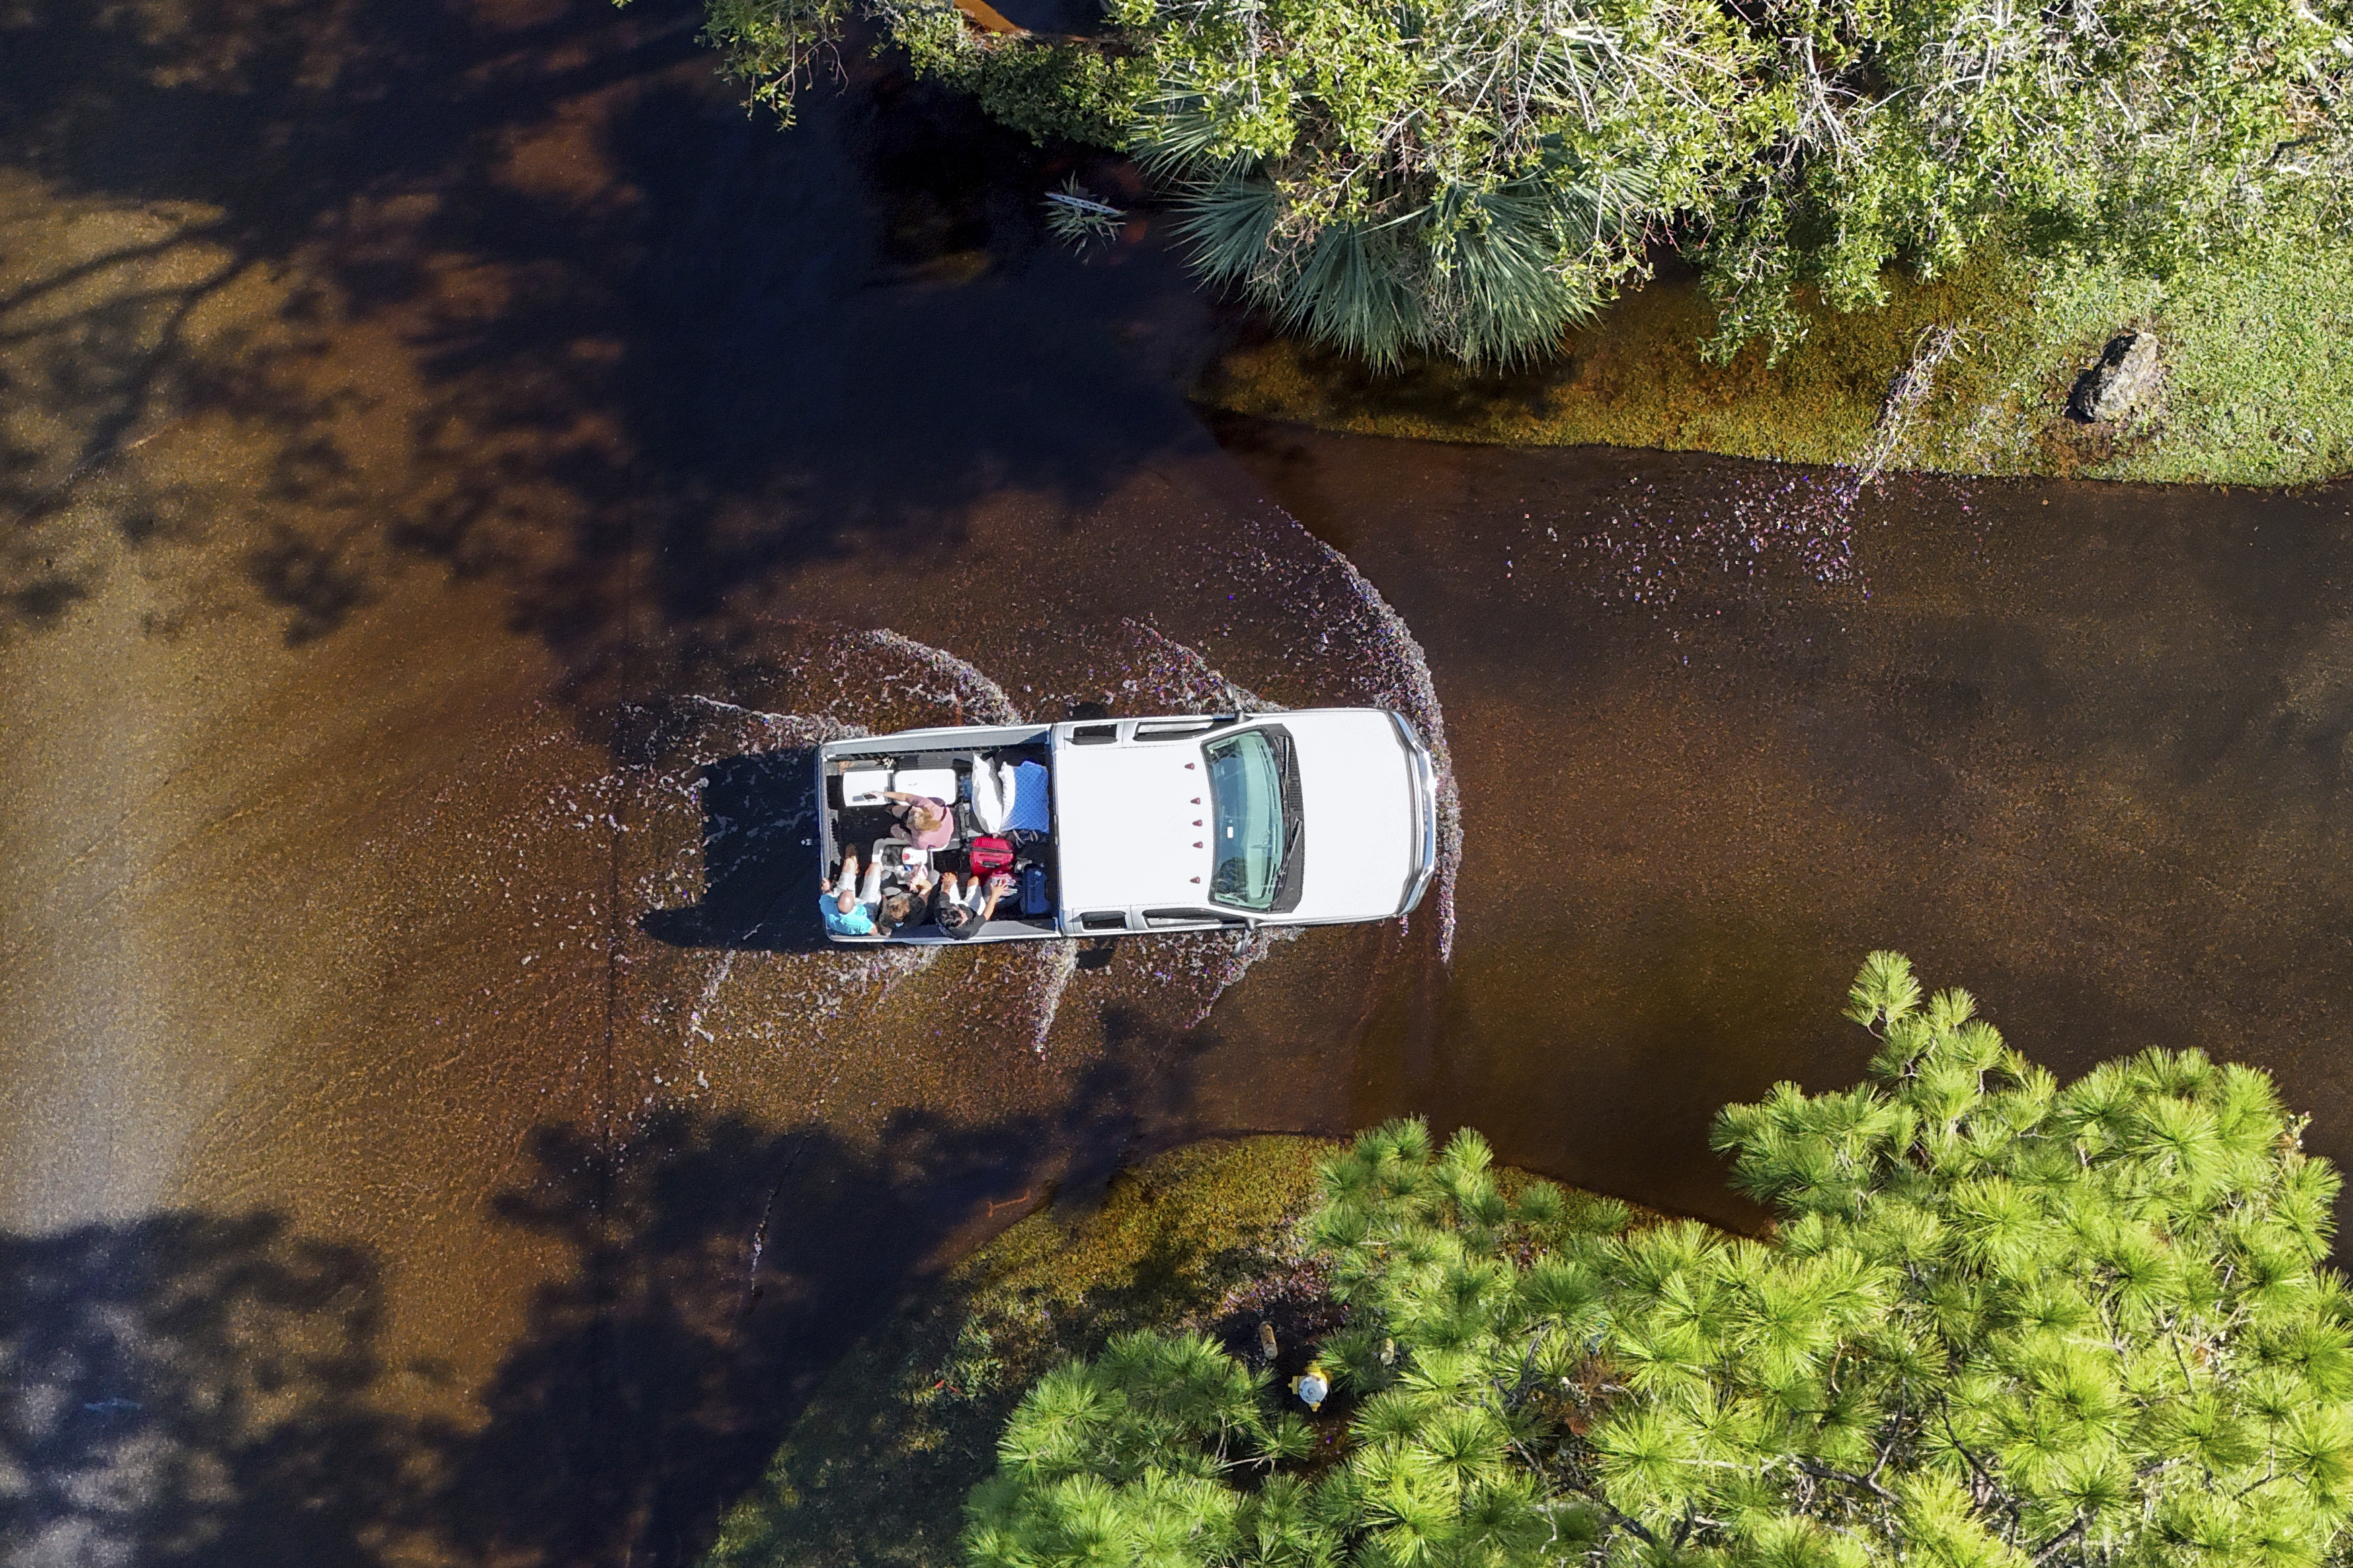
1462, 177
2002, 1323
1470, 178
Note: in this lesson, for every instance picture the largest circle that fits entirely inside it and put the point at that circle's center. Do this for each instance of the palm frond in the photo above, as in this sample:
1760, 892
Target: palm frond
1226, 225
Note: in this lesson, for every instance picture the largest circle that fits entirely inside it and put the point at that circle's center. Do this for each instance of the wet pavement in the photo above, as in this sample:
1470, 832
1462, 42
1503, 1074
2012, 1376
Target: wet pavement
455, 464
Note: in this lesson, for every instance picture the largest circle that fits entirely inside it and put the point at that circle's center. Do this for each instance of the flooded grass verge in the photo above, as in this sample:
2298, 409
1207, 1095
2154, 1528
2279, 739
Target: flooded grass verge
2258, 389
876, 1469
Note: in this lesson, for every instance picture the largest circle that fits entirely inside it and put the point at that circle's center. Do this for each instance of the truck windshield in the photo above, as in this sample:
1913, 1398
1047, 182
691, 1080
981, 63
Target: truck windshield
1245, 790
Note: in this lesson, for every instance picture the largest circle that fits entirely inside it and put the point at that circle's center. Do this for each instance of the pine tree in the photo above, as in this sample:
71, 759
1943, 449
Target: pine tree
1131, 1459
2002, 1321
1999, 1324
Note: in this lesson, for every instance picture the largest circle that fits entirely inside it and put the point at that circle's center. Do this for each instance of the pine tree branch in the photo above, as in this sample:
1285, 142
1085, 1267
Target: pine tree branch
2056, 1542
1627, 1519
1893, 1426
1992, 1492
2269, 1476
1520, 1385
1829, 1473
1636, 1525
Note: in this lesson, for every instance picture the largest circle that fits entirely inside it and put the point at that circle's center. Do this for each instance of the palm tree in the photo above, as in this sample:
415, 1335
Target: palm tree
1467, 178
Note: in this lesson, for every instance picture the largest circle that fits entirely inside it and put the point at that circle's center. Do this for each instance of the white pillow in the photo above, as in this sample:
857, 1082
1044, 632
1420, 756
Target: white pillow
992, 796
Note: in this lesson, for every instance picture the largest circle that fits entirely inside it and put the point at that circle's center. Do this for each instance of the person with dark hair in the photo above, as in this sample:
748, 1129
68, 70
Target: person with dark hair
963, 913
896, 909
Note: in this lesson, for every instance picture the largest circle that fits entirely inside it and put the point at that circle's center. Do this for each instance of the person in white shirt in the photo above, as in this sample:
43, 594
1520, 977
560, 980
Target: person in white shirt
962, 913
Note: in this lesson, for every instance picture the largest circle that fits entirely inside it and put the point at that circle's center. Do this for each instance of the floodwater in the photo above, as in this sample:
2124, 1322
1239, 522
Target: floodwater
455, 462
2080, 748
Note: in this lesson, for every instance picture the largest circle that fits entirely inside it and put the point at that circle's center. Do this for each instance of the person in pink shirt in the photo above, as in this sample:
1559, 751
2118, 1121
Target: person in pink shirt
924, 822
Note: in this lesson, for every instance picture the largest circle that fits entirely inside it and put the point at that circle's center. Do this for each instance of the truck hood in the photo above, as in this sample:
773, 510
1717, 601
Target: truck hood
1356, 787
1131, 820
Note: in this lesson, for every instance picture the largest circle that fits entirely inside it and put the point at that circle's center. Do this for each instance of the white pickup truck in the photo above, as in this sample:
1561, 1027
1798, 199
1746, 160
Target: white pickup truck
1181, 823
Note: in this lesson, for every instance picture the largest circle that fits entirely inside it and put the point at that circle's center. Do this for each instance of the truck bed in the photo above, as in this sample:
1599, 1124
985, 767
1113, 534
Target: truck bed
858, 828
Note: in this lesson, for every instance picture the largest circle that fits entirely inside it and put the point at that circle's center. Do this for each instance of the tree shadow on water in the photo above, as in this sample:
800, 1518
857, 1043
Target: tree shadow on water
200, 1389
195, 1388
723, 1266
653, 353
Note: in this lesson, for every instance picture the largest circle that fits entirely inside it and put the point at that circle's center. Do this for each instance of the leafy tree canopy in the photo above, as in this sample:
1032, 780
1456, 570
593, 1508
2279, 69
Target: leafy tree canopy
1462, 177
1469, 177
2000, 1323
2148, 132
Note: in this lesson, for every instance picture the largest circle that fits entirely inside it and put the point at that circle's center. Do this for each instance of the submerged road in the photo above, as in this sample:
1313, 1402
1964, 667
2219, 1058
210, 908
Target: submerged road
453, 461
2081, 750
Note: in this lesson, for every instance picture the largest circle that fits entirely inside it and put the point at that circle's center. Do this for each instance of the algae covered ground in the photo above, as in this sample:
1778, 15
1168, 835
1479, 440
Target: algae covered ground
2258, 383
875, 1469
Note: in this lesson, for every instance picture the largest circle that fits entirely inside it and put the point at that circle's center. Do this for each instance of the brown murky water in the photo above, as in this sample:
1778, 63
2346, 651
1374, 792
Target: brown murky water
2080, 749
452, 460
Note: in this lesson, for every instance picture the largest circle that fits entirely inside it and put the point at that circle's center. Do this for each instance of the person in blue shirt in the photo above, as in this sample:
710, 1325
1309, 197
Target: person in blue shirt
847, 905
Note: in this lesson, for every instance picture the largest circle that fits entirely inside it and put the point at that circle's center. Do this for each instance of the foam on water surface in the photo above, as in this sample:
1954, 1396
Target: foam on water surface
1175, 676
1050, 980
1651, 549
1395, 673
963, 687
776, 730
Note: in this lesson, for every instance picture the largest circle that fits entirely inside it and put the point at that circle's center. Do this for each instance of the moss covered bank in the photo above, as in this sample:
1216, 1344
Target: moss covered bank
2258, 384
875, 1471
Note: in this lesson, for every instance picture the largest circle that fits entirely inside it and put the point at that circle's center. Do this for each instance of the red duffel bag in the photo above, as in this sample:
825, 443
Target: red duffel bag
989, 856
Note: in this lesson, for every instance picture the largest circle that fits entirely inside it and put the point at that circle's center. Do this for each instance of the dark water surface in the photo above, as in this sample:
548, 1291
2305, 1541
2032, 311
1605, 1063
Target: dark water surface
2081, 748
453, 462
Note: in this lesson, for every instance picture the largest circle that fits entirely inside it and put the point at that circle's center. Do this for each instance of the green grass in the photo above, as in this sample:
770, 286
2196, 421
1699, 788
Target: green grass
2259, 381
